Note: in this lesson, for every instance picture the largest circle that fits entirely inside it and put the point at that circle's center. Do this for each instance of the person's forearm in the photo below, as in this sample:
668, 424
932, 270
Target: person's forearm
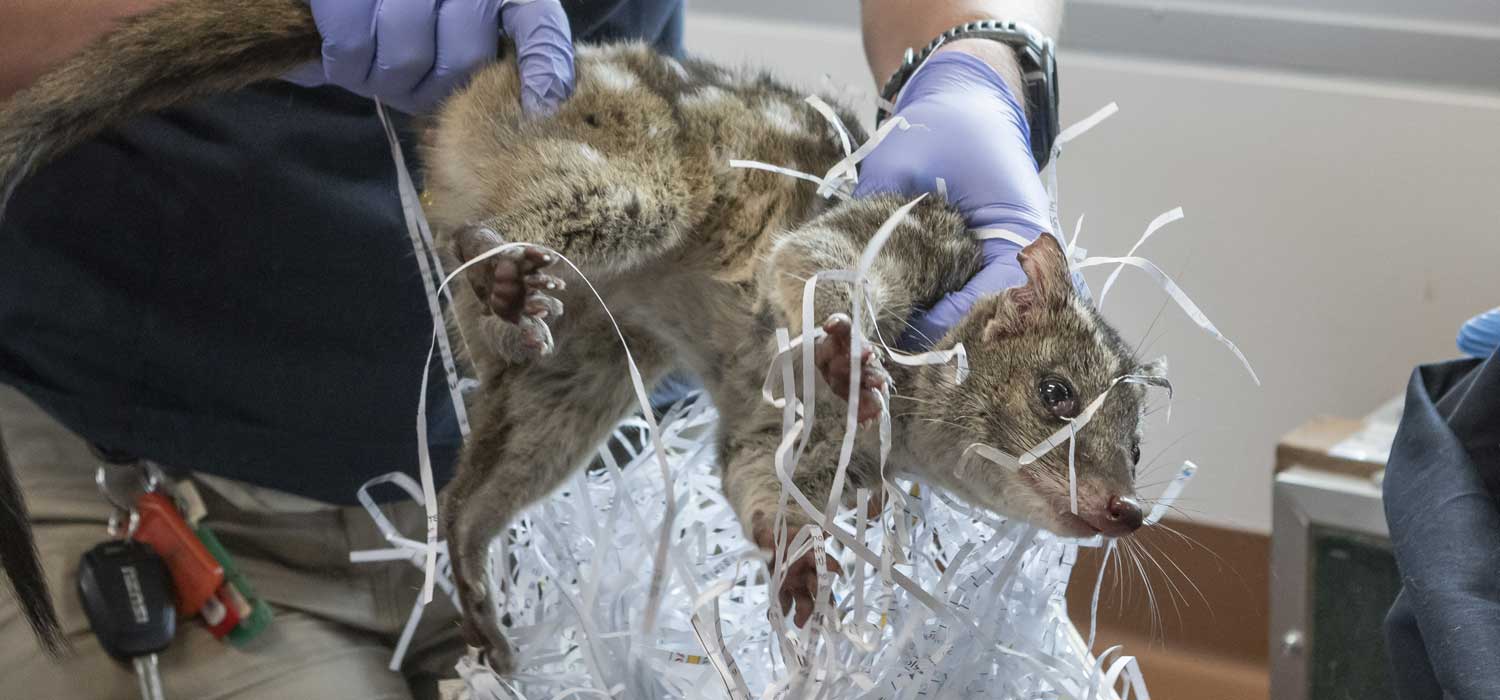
36, 35
892, 26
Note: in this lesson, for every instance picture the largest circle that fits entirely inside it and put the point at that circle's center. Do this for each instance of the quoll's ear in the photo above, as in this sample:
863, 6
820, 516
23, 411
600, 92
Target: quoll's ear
1048, 282
1156, 368
1048, 286
1155, 374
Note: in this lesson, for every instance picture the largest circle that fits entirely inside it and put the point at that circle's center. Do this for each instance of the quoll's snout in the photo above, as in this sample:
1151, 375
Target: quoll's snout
1121, 516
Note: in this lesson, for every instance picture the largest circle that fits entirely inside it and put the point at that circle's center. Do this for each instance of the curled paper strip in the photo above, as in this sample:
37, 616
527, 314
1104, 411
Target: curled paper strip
1170, 495
840, 179
1181, 297
1083, 126
1073, 131
432, 269
1155, 225
757, 165
403, 548
845, 139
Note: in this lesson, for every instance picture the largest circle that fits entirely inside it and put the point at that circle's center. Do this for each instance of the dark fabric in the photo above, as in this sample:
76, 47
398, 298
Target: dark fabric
229, 286
1441, 489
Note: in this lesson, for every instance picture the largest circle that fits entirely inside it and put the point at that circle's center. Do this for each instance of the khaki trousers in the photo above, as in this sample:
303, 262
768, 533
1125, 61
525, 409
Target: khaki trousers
335, 623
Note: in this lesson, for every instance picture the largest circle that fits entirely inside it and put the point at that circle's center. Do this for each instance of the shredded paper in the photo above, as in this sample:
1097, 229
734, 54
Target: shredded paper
575, 569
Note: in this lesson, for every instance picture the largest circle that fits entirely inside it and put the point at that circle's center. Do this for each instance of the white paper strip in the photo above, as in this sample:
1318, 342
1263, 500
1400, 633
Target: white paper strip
1181, 297
1173, 490
985, 234
1155, 225
1083, 418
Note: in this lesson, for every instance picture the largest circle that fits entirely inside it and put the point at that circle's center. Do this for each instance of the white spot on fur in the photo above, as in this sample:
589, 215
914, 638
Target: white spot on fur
614, 76
747, 78
705, 98
677, 67
589, 154
619, 198
780, 117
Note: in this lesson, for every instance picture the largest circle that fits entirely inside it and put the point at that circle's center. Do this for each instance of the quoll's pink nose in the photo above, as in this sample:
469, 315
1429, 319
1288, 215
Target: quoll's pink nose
1117, 517
1125, 515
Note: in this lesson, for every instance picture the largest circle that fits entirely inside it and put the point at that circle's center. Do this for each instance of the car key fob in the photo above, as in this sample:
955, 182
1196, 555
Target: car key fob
127, 595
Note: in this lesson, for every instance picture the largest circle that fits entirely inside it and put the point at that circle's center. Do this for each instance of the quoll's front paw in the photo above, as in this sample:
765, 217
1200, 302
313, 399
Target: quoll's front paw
832, 358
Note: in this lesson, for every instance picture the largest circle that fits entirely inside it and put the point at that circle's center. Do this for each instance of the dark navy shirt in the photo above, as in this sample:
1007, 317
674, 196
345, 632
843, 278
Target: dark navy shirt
229, 286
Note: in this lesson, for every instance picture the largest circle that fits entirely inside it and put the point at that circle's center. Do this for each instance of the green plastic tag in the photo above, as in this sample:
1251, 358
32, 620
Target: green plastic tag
260, 616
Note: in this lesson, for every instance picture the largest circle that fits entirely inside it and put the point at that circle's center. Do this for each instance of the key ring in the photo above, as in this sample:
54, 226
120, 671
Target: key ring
134, 523
106, 489
148, 482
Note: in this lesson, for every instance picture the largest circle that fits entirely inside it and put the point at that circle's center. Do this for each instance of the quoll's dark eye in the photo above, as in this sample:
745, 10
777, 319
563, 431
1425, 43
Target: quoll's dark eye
1058, 397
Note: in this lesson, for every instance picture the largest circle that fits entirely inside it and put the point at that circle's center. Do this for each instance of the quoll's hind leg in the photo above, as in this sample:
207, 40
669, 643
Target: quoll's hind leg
534, 425
750, 483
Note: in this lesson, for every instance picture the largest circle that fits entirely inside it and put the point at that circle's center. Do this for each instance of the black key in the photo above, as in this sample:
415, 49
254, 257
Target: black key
127, 594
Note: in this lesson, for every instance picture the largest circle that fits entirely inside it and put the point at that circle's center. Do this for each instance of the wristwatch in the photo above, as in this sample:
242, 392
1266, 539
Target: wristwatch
1034, 51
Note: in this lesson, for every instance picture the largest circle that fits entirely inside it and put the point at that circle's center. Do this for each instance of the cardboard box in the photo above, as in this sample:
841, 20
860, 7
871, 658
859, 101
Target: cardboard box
1342, 445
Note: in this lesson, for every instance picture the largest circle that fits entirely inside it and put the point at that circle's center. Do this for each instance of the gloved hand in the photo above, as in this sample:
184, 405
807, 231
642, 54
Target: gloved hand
968, 129
413, 53
1480, 337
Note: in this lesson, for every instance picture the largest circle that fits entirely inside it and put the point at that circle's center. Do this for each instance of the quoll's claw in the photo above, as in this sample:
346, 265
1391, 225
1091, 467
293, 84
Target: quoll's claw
800, 587
536, 335
515, 282
832, 358
481, 630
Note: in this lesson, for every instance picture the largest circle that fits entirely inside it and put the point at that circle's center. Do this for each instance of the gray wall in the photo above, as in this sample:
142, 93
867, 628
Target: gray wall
1450, 42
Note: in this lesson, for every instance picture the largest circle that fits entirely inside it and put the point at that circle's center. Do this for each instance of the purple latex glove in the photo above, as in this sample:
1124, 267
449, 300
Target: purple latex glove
968, 129
413, 53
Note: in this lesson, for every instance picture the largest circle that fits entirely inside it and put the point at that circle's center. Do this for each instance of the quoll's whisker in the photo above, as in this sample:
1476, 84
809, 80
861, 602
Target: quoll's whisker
1173, 591
1160, 550
1192, 541
1152, 605
1152, 326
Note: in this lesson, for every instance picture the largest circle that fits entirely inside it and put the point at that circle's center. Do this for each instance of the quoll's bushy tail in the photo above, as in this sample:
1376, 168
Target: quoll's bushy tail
179, 51
18, 556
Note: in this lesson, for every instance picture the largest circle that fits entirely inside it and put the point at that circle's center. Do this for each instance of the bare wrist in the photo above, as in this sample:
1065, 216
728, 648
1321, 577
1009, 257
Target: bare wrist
999, 56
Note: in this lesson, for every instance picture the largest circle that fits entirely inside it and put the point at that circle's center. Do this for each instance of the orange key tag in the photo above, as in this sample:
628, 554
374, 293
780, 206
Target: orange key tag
196, 575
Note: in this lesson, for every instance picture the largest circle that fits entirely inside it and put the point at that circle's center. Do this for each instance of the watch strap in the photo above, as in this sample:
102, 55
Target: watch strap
1035, 54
